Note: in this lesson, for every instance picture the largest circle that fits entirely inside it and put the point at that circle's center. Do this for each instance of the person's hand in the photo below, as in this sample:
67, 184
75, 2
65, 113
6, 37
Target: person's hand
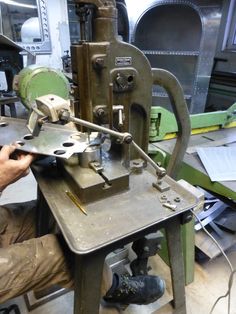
11, 170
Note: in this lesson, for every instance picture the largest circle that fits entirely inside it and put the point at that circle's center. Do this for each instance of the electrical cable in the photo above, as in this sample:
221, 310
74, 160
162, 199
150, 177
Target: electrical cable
232, 270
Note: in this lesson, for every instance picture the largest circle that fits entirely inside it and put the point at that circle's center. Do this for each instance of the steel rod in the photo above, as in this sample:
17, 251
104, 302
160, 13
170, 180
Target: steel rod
159, 170
99, 128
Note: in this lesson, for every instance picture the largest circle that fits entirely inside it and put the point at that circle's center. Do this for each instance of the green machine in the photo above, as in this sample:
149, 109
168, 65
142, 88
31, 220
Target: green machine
163, 123
35, 81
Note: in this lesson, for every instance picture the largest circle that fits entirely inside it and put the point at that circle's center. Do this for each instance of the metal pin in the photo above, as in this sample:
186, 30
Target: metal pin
170, 206
74, 199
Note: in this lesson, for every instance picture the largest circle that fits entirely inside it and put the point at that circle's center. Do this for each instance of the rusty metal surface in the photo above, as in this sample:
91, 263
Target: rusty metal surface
113, 218
55, 140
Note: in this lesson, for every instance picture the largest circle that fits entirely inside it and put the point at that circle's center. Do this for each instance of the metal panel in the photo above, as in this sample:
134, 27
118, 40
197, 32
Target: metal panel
197, 46
54, 140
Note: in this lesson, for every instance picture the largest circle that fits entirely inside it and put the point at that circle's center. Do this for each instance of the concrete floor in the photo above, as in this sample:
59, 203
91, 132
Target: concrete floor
211, 277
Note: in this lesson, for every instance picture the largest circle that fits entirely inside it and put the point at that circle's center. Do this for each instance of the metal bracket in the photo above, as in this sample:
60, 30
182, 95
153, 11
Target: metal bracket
161, 186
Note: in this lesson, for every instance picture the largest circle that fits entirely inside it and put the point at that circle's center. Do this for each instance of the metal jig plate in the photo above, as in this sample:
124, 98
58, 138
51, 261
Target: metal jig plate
53, 140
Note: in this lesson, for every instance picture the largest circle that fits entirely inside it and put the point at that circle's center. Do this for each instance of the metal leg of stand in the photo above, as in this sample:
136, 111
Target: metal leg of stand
13, 110
43, 215
2, 110
173, 233
88, 278
12, 107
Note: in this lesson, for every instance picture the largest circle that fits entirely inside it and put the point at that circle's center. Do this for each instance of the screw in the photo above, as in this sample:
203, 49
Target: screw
163, 197
177, 199
169, 206
99, 62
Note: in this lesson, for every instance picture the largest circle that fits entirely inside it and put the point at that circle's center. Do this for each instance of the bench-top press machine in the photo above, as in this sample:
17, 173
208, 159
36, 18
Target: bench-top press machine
106, 174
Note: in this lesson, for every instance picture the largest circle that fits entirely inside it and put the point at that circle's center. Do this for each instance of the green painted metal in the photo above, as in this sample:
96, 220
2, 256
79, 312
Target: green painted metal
163, 122
35, 81
188, 242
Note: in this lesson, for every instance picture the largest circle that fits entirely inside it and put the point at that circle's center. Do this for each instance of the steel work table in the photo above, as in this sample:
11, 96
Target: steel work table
110, 224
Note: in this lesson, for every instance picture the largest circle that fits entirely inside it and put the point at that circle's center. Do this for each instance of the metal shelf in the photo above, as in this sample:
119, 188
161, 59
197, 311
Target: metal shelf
171, 53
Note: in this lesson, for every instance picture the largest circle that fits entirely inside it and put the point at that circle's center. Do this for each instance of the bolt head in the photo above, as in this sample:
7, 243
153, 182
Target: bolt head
177, 200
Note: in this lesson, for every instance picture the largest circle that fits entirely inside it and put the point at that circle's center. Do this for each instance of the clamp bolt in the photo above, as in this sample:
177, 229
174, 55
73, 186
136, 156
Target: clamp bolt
177, 200
163, 197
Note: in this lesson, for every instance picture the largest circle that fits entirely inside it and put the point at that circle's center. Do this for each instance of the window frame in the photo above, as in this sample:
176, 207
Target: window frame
229, 42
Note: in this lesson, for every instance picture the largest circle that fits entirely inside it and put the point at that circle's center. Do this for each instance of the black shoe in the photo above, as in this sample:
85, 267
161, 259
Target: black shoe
135, 290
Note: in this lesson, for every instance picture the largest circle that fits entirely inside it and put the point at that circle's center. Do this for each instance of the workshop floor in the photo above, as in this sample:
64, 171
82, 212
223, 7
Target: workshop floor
211, 277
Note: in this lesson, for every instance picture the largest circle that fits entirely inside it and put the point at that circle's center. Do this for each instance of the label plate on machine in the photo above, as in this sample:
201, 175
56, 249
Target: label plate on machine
123, 61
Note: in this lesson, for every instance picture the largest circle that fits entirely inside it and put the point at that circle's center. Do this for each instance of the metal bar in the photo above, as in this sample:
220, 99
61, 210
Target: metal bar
88, 278
211, 217
43, 215
3, 110
12, 110
173, 234
204, 214
226, 198
172, 86
98, 128
111, 105
160, 171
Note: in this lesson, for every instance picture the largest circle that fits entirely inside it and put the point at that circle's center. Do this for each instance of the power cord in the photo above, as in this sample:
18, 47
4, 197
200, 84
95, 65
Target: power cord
232, 270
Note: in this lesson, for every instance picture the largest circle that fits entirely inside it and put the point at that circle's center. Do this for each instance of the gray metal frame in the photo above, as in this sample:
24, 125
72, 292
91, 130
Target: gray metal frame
210, 16
45, 45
